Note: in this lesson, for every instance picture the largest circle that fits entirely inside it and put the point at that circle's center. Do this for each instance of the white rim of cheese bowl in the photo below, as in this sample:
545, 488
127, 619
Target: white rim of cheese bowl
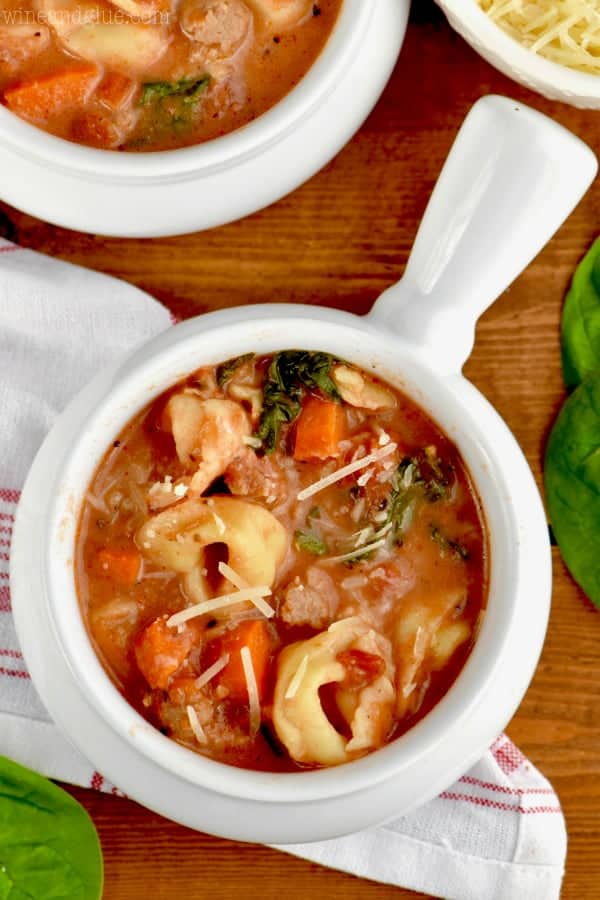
245, 142
476, 26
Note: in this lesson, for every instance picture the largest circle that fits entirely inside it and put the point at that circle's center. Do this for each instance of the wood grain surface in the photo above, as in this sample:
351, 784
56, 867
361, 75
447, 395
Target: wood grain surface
340, 240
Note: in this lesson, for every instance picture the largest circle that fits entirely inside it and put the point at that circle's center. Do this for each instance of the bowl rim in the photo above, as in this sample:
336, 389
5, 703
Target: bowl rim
487, 33
483, 662
213, 155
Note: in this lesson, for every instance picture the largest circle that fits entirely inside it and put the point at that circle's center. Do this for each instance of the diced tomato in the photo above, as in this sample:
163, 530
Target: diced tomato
115, 90
96, 129
361, 667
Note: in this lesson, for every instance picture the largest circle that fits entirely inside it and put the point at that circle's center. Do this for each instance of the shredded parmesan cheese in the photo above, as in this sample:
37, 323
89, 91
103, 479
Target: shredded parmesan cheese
200, 609
238, 582
195, 725
297, 679
213, 670
221, 526
352, 467
564, 31
360, 551
232, 576
252, 690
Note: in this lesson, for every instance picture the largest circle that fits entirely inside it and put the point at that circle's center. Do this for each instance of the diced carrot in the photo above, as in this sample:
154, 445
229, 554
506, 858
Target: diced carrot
42, 97
319, 429
115, 90
121, 564
254, 634
160, 651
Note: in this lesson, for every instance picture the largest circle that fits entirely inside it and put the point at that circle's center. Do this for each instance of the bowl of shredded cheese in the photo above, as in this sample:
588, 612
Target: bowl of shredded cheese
551, 46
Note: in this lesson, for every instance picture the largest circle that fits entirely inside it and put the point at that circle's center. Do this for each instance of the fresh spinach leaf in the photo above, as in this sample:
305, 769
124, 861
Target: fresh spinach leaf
572, 482
310, 543
227, 369
48, 845
448, 546
581, 320
290, 374
188, 90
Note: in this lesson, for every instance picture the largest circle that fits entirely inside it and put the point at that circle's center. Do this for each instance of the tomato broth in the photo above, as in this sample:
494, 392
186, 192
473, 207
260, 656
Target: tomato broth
145, 75
282, 562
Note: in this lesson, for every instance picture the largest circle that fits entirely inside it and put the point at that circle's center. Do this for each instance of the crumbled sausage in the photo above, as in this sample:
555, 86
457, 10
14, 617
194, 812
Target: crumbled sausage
252, 476
311, 603
221, 26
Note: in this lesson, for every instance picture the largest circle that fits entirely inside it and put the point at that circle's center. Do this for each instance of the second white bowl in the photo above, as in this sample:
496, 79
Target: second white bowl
177, 191
542, 75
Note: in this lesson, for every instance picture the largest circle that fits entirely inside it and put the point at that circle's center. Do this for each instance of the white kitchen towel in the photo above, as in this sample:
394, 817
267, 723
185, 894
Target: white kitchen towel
497, 834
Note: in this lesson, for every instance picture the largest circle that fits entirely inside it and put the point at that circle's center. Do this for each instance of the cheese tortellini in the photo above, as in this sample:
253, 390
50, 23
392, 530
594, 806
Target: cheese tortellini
301, 722
208, 435
175, 539
425, 632
281, 13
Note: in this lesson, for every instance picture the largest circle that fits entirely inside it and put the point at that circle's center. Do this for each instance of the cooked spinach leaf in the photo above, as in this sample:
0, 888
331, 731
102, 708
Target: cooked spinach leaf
418, 477
290, 374
188, 90
448, 546
310, 543
572, 482
309, 369
581, 320
48, 845
227, 369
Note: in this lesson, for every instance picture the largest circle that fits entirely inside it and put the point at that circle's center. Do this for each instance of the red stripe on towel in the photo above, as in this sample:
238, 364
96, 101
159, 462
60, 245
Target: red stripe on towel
13, 673
9, 248
497, 804
508, 756
10, 495
14, 654
5, 598
503, 789
97, 781
8, 516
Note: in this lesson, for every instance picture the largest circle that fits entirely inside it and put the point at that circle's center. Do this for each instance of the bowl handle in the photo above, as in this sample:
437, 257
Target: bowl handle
511, 179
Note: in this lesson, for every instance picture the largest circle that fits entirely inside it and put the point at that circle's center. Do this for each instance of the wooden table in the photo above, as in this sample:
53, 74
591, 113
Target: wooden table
340, 240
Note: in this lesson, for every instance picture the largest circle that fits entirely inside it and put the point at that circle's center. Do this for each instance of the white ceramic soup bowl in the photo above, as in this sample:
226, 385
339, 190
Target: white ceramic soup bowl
551, 79
511, 179
178, 191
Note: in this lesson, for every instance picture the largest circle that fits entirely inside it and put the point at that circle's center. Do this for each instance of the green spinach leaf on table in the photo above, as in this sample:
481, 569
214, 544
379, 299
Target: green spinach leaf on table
572, 482
49, 849
581, 320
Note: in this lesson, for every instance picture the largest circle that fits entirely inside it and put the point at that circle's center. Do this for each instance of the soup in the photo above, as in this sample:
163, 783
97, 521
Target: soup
151, 74
282, 562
